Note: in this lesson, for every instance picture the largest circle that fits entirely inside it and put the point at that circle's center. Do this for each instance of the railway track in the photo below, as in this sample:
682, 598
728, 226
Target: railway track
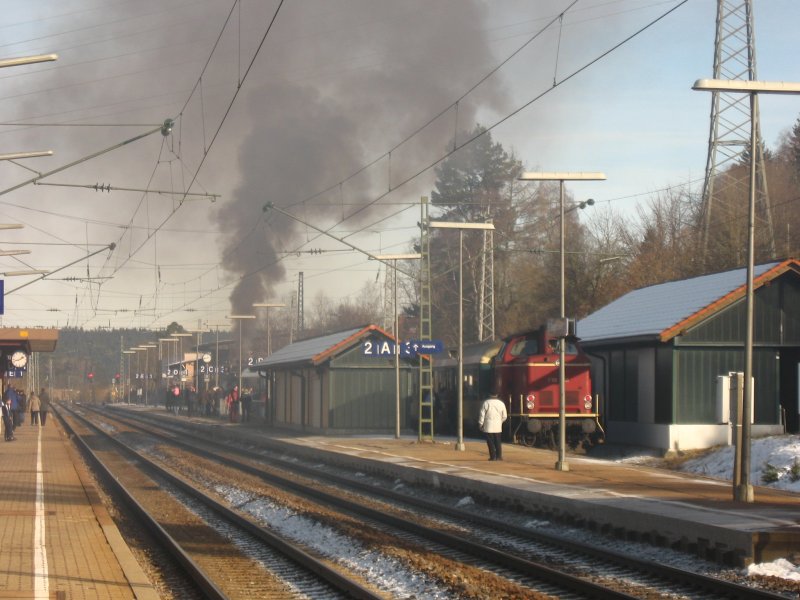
221, 553
464, 537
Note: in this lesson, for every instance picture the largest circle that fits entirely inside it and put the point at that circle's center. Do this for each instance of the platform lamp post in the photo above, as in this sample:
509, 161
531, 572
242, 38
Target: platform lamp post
180, 336
147, 348
199, 333
240, 318
138, 349
129, 352
561, 177
743, 489
268, 305
394, 258
268, 379
216, 326
161, 356
461, 227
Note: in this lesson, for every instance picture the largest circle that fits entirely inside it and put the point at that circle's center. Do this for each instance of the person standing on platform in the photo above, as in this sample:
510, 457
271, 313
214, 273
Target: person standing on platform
44, 406
491, 418
34, 403
8, 423
17, 407
11, 394
233, 405
247, 402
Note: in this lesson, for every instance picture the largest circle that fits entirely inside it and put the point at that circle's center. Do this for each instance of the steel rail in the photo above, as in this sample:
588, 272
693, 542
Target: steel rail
666, 572
284, 547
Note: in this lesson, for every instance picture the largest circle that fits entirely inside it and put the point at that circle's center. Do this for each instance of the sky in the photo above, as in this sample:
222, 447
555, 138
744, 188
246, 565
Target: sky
335, 112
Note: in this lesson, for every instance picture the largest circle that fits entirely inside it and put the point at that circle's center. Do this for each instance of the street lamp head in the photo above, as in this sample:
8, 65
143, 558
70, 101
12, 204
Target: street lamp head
27, 60
459, 225
404, 256
30, 154
25, 272
743, 86
563, 176
585, 203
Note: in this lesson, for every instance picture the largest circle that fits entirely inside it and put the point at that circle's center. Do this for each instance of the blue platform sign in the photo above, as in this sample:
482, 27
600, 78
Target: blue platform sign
2, 297
408, 349
378, 348
426, 346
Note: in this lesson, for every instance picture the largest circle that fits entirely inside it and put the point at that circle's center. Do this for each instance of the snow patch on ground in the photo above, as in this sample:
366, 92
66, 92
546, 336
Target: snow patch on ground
383, 571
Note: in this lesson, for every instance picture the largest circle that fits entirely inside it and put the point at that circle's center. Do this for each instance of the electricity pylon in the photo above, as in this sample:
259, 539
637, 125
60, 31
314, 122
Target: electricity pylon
727, 179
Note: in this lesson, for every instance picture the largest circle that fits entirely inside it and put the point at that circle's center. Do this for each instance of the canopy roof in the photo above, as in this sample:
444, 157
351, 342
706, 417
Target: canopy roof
28, 340
665, 310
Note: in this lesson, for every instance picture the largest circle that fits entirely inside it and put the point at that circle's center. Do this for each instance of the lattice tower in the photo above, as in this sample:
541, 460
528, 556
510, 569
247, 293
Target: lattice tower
486, 288
729, 137
425, 326
300, 321
389, 283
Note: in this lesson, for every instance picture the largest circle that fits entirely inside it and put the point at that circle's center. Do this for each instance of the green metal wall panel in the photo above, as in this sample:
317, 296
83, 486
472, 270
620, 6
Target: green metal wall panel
767, 314
696, 382
364, 398
725, 327
663, 385
623, 401
776, 318
791, 311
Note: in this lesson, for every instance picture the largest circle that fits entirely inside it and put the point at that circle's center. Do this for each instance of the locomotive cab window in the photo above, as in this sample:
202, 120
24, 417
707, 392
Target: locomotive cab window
525, 347
571, 347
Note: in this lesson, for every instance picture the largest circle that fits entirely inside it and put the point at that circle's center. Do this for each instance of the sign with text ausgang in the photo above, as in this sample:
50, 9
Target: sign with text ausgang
407, 349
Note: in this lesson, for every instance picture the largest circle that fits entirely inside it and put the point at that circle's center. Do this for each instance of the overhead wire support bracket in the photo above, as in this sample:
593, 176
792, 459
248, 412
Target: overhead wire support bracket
79, 161
111, 247
270, 206
107, 187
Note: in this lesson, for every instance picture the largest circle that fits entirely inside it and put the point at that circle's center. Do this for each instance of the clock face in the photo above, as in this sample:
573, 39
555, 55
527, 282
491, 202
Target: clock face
206, 358
19, 359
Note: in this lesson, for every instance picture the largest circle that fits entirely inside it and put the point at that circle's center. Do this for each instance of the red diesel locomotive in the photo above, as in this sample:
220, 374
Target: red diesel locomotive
523, 370
526, 378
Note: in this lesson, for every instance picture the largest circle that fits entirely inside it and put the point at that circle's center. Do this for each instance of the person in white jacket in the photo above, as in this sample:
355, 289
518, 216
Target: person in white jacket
493, 414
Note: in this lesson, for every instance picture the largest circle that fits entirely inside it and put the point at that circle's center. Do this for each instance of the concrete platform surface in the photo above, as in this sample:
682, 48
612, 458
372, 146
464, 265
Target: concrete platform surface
57, 539
686, 511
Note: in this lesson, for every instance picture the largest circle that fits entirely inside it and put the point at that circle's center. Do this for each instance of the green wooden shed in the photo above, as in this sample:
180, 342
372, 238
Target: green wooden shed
661, 356
329, 384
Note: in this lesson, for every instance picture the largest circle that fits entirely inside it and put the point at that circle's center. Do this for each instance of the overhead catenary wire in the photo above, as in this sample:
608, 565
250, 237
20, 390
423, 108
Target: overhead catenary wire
394, 187
470, 140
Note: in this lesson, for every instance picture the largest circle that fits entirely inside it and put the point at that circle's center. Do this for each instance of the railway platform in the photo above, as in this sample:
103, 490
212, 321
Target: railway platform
689, 512
57, 539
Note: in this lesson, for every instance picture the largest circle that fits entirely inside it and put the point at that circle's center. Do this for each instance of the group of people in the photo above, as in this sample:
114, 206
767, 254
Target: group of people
16, 403
238, 407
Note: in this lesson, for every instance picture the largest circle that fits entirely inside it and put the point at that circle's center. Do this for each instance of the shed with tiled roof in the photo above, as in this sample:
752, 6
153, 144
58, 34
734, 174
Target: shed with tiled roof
328, 383
660, 355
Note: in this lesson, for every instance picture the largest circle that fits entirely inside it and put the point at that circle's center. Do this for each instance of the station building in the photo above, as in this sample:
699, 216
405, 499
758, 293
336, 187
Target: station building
661, 356
333, 383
